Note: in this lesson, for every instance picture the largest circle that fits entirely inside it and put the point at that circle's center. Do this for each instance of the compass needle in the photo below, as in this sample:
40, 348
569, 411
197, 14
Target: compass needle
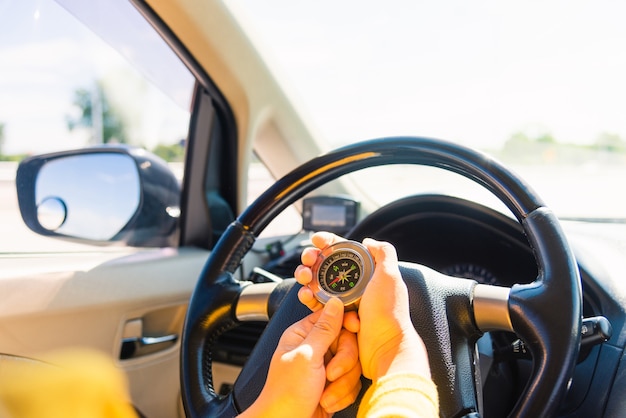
342, 270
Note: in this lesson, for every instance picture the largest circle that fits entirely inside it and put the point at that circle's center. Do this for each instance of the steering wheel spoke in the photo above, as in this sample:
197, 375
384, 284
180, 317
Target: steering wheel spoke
259, 302
491, 308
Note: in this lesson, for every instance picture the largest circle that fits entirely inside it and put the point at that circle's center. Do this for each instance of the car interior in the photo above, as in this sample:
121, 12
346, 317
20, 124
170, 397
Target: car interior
183, 273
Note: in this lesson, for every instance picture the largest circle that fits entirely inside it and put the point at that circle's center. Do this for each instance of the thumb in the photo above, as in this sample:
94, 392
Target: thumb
327, 327
385, 257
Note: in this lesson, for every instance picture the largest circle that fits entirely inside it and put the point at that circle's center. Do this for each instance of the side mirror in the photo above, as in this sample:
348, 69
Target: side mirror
100, 195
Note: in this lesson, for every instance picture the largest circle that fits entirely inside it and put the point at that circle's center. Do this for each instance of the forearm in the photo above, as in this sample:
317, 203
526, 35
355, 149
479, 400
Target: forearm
400, 395
404, 354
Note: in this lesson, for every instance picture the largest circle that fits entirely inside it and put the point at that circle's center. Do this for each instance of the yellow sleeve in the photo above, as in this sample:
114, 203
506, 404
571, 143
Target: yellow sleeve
400, 395
84, 384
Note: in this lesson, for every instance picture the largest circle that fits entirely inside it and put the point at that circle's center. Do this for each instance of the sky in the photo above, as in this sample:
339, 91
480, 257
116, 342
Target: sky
473, 72
46, 55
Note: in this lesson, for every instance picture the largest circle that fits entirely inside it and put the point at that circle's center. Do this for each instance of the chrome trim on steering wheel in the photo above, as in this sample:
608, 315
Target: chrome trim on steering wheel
491, 308
253, 302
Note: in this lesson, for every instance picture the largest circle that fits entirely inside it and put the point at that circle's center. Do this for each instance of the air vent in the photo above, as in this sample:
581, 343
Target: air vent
234, 347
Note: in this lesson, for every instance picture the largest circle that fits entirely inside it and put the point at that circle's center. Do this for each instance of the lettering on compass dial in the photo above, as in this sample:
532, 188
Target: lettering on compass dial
342, 270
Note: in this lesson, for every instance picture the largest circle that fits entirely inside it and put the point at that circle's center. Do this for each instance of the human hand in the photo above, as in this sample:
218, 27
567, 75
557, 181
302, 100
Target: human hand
315, 369
304, 275
388, 343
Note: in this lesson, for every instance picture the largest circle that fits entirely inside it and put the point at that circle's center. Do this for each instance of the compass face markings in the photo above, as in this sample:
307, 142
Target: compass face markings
342, 270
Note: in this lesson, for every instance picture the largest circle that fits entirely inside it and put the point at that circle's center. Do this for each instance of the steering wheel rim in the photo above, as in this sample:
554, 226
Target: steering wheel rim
553, 338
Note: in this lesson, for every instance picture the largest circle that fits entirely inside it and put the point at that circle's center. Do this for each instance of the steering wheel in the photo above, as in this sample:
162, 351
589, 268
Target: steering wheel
449, 313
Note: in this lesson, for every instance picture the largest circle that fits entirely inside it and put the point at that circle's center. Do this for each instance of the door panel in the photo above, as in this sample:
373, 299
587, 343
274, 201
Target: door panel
90, 304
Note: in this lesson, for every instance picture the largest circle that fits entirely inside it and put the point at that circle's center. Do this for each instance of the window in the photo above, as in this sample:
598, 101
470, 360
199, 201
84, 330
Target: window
73, 75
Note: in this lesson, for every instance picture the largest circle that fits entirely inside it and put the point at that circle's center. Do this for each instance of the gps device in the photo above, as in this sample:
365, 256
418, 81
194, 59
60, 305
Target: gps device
329, 213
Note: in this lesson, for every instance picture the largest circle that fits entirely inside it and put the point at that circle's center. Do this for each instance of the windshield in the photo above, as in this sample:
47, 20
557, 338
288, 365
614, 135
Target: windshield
538, 85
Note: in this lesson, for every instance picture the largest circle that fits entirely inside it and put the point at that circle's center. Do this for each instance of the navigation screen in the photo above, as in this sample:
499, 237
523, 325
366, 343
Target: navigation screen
328, 215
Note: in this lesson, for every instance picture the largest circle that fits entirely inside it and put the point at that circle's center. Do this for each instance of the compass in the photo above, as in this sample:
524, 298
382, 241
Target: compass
342, 270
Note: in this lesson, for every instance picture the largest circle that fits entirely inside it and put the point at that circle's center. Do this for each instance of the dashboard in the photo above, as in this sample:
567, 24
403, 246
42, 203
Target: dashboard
456, 237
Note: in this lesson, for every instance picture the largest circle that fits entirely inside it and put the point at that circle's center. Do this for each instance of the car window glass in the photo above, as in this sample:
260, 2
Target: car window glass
289, 221
65, 85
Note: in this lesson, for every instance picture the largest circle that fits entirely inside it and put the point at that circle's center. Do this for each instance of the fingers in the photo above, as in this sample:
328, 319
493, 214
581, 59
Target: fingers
351, 321
324, 239
305, 295
386, 273
386, 262
309, 256
342, 392
303, 273
326, 327
343, 372
384, 253
320, 241
346, 356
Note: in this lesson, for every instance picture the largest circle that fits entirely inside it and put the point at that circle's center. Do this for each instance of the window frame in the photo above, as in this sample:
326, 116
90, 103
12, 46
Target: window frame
211, 148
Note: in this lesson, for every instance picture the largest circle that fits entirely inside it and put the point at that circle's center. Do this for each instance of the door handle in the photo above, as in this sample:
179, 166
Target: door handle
141, 346
147, 341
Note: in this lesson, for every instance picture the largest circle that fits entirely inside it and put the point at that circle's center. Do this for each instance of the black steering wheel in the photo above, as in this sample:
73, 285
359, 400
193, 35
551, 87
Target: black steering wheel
449, 313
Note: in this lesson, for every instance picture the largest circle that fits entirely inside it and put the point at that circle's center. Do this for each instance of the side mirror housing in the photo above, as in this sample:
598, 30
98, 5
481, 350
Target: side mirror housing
100, 195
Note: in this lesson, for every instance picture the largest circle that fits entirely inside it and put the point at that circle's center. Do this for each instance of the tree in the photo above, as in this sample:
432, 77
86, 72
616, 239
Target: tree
546, 138
173, 152
610, 142
97, 113
518, 142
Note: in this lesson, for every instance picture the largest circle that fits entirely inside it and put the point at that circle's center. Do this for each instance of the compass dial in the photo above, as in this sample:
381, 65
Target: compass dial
342, 270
